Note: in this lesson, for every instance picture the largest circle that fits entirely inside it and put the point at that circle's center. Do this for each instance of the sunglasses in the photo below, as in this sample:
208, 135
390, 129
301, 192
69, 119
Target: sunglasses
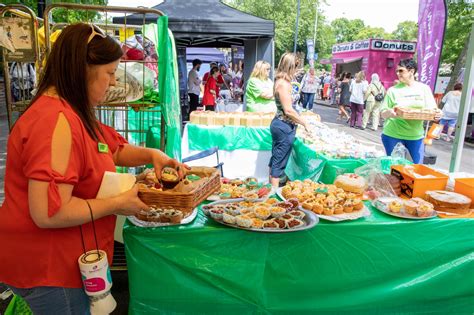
95, 31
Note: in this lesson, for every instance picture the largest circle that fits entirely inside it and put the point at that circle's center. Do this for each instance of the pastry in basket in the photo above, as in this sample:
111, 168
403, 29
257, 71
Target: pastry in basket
281, 223
251, 183
297, 214
318, 208
262, 212
216, 214
250, 196
351, 183
338, 209
277, 211
270, 224
243, 221
169, 177
257, 223
449, 201
228, 218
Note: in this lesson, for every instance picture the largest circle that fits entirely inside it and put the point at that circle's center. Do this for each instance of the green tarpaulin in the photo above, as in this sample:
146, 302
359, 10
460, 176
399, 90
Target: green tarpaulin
168, 83
374, 265
304, 162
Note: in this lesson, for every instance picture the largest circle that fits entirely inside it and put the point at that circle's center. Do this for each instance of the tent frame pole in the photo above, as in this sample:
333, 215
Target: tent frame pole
464, 107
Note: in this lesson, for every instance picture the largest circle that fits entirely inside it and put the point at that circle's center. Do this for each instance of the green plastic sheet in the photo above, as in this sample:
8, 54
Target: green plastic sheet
18, 306
374, 265
168, 83
229, 138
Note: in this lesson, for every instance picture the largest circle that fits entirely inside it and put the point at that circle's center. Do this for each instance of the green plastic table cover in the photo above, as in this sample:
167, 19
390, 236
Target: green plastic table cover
374, 265
303, 163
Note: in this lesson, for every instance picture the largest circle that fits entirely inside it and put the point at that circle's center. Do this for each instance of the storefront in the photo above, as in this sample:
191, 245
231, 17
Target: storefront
372, 56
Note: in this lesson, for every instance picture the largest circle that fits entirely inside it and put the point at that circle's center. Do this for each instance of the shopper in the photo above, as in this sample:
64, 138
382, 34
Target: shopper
344, 96
374, 97
283, 126
259, 90
58, 153
310, 84
451, 103
408, 93
358, 88
210, 90
194, 85
225, 91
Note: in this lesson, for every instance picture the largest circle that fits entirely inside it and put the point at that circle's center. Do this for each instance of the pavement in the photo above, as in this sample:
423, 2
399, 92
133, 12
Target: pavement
441, 149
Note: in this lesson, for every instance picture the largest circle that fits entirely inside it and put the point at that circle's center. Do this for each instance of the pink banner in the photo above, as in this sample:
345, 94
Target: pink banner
431, 25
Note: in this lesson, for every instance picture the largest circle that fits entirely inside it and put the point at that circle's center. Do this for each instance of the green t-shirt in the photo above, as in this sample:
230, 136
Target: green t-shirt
416, 96
254, 102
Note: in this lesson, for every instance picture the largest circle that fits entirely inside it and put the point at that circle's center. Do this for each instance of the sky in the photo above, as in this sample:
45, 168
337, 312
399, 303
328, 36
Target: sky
375, 13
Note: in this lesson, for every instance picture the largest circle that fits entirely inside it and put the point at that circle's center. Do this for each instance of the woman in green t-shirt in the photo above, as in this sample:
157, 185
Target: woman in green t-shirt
259, 90
408, 93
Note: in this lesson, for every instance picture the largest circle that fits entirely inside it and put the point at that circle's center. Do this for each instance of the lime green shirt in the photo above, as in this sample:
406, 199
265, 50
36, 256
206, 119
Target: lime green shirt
254, 102
416, 96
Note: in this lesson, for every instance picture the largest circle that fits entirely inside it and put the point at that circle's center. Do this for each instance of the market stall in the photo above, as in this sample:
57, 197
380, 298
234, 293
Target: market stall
246, 149
377, 264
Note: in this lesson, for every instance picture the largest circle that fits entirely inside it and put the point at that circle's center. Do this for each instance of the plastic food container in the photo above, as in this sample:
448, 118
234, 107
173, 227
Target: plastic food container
465, 186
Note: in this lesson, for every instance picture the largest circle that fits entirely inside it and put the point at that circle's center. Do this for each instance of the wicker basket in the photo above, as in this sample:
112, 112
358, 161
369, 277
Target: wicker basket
184, 201
416, 114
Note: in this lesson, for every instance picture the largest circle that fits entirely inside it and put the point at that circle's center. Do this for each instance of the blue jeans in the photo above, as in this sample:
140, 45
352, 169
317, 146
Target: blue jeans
283, 136
308, 100
416, 148
55, 300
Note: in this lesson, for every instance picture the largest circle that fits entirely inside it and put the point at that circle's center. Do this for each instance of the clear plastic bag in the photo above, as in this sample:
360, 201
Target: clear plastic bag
378, 184
400, 151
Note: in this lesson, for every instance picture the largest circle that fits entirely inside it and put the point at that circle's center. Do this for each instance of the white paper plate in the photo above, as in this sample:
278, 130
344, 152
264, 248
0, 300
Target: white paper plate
148, 224
364, 212
382, 208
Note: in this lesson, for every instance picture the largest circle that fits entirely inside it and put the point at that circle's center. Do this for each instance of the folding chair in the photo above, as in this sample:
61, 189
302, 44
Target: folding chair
206, 153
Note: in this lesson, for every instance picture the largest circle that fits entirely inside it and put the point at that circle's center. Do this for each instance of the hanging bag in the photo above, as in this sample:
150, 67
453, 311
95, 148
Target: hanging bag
379, 96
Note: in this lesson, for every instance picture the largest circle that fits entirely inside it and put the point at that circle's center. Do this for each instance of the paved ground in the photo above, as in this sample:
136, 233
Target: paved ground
439, 148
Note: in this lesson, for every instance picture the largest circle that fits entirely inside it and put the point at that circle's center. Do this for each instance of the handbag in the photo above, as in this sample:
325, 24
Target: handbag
379, 97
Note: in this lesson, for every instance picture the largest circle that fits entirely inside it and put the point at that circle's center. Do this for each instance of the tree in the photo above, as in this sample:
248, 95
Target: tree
407, 30
346, 30
283, 13
458, 26
372, 32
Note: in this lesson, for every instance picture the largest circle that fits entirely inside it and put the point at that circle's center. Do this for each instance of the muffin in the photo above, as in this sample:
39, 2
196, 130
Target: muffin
358, 204
348, 206
328, 211
277, 211
338, 209
169, 177
395, 206
228, 218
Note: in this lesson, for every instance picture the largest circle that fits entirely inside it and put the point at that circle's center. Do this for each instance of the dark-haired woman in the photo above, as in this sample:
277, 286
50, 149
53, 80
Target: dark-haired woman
408, 93
210, 90
344, 95
57, 155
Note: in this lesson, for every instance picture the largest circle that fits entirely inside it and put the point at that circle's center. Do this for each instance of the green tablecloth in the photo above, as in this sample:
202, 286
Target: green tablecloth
304, 162
378, 264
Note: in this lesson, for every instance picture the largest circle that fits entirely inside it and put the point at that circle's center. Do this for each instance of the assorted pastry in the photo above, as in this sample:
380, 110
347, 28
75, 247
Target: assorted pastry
169, 181
156, 214
322, 199
248, 188
267, 215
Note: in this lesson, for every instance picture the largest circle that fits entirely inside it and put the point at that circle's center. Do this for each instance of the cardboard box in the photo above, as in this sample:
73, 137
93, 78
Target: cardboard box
465, 186
413, 186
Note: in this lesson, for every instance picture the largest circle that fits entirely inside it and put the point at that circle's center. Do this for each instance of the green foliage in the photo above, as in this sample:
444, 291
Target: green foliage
407, 30
346, 30
459, 24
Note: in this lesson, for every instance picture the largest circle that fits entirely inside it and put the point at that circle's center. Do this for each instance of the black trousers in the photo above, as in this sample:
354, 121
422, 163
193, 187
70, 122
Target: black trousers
193, 102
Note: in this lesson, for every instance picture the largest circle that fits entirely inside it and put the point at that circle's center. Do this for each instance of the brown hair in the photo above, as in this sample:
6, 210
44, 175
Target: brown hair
457, 87
287, 67
66, 69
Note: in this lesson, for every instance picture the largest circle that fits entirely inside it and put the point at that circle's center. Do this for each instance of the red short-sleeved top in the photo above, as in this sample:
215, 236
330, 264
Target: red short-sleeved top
208, 99
31, 256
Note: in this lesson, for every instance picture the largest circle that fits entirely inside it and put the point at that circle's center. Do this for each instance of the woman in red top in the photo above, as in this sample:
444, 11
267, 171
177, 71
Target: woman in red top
209, 96
57, 155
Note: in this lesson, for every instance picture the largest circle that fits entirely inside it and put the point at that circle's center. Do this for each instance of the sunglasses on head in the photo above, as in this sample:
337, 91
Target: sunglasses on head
95, 30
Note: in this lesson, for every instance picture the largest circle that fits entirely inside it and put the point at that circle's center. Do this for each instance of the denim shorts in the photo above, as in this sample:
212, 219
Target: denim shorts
55, 300
450, 122
283, 136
